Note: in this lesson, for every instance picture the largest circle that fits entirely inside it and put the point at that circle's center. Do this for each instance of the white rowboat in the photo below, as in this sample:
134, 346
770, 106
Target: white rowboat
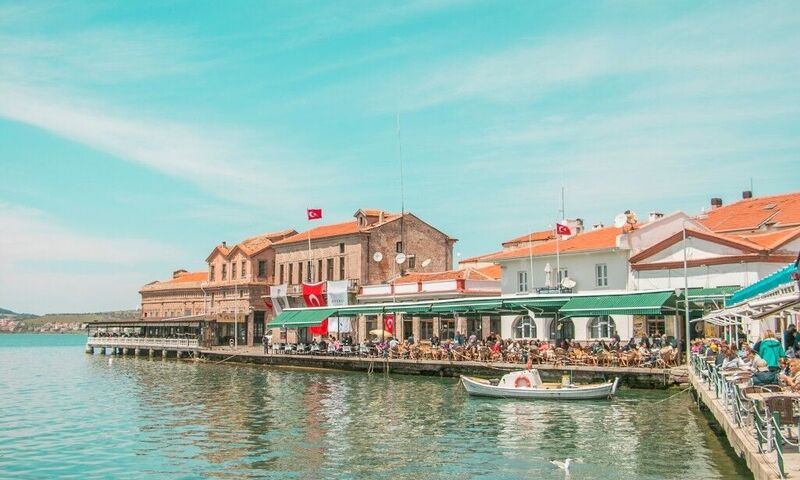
528, 384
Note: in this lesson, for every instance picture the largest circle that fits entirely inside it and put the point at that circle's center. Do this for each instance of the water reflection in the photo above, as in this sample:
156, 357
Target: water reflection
168, 419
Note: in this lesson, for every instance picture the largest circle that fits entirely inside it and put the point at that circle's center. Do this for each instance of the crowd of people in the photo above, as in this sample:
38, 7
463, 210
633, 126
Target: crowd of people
765, 362
660, 351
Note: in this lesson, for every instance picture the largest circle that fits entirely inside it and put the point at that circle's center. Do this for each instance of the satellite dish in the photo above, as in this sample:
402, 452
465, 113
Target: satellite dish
568, 283
378, 256
620, 220
400, 258
426, 262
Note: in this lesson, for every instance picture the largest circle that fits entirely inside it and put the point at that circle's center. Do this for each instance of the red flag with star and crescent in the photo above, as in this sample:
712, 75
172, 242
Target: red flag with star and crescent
563, 229
312, 295
388, 321
314, 213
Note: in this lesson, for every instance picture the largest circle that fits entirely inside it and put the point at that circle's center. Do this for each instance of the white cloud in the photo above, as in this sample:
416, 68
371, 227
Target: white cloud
33, 246
716, 48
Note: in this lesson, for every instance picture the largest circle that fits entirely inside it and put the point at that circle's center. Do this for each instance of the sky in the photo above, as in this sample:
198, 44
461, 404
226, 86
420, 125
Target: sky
135, 136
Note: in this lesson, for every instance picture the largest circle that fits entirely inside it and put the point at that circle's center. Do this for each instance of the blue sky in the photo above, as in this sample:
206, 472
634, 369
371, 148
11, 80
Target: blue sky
134, 136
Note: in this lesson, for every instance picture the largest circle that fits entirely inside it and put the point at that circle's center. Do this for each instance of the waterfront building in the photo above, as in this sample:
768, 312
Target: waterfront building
466, 282
224, 301
238, 279
362, 251
726, 248
180, 296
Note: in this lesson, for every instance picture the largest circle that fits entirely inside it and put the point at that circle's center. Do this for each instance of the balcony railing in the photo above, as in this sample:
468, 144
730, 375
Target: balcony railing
142, 342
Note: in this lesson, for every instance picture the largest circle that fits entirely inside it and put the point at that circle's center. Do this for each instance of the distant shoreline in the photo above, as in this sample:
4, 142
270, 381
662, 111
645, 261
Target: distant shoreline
74, 332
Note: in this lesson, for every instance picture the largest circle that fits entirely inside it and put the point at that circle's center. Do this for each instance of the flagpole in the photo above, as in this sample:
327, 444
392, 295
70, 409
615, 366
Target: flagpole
530, 256
558, 260
308, 273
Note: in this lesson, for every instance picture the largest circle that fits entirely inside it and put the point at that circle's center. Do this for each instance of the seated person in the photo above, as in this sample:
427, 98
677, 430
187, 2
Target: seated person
763, 375
732, 360
792, 380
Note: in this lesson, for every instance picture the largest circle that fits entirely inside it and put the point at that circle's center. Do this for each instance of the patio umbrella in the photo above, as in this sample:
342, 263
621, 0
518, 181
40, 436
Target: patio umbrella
380, 333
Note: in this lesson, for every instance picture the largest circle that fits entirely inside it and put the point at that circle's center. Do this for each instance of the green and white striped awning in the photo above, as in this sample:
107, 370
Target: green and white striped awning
647, 303
305, 317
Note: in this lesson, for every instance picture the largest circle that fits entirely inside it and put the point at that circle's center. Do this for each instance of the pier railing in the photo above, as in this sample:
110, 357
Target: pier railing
143, 342
752, 415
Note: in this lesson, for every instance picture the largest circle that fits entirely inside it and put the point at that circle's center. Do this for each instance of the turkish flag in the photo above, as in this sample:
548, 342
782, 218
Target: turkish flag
563, 229
388, 322
321, 329
314, 213
312, 295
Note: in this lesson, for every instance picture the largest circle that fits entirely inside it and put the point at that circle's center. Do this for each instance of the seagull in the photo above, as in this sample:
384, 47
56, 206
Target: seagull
562, 465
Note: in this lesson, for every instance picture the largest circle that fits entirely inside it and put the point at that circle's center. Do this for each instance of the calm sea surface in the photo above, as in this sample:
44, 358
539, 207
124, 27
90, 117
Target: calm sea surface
65, 414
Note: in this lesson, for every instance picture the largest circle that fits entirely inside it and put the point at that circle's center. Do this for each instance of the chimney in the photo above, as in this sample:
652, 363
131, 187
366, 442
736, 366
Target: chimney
597, 226
653, 216
224, 244
747, 194
716, 203
578, 225
381, 217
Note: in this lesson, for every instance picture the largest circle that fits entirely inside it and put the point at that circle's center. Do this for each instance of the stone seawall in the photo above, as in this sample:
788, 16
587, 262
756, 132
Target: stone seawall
632, 377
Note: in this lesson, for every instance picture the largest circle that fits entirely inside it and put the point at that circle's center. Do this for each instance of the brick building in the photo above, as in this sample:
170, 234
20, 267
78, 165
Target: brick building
180, 296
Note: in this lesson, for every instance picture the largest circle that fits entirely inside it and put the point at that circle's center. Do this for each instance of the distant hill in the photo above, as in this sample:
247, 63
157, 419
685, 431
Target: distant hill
36, 320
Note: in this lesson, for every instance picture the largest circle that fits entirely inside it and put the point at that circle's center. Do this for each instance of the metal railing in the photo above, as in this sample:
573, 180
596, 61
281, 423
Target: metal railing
746, 412
150, 342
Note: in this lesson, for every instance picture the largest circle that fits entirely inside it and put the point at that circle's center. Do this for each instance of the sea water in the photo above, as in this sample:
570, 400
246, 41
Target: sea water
66, 414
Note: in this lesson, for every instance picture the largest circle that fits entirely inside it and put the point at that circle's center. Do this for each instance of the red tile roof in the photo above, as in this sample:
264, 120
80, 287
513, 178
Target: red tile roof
188, 277
598, 239
747, 215
491, 272
255, 244
338, 229
540, 236
775, 239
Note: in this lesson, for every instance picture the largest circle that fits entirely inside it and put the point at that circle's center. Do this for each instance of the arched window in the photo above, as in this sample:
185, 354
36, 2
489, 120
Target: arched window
523, 327
562, 329
601, 327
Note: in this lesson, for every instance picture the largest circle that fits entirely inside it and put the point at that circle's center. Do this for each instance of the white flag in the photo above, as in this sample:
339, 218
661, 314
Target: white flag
337, 297
279, 299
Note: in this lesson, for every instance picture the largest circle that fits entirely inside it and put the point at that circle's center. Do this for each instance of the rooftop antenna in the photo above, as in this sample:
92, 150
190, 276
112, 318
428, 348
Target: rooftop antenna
751, 185
402, 194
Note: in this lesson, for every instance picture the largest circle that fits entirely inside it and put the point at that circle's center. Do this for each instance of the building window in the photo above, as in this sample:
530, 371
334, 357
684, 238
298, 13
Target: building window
309, 272
212, 275
233, 271
412, 261
319, 270
562, 274
601, 327
341, 248
329, 270
656, 325
291, 272
399, 247
244, 269
523, 327
262, 268
601, 275
280, 278
224, 271
522, 281
299, 272
341, 268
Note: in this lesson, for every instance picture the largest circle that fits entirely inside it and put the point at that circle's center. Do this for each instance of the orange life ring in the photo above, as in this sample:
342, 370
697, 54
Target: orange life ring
522, 379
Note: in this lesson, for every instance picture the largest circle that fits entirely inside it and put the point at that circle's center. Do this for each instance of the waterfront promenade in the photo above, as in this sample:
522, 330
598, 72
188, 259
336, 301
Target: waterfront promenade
750, 428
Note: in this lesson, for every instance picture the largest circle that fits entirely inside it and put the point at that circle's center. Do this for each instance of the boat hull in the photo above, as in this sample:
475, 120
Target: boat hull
587, 392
